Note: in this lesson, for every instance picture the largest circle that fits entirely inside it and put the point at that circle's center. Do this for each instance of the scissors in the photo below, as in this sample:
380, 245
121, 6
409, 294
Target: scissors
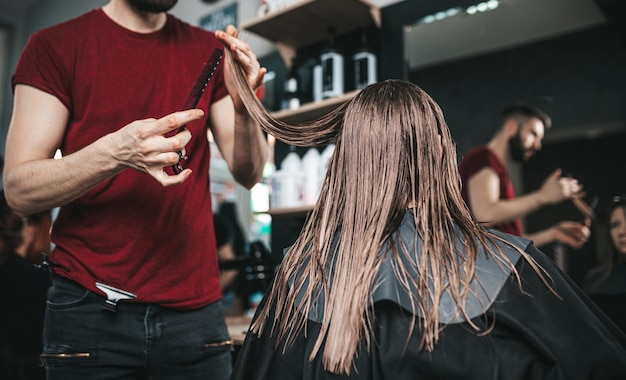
195, 95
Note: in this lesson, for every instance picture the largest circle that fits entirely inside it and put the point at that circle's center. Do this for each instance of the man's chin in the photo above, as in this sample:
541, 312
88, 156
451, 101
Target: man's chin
528, 156
153, 6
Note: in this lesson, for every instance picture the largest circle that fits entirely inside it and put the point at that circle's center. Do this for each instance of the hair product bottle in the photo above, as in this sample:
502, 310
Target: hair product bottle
364, 64
291, 97
317, 82
332, 70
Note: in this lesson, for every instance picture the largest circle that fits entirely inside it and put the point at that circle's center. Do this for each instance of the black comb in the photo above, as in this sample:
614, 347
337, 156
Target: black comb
203, 79
196, 94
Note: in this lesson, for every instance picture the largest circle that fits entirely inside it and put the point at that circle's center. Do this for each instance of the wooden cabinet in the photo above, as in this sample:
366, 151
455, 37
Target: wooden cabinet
297, 26
313, 110
306, 22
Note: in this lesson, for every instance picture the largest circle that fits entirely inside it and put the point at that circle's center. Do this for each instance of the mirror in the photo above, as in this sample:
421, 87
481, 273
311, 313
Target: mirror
565, 56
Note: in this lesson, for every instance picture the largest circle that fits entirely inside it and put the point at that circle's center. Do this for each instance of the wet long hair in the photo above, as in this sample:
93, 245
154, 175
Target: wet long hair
394, 152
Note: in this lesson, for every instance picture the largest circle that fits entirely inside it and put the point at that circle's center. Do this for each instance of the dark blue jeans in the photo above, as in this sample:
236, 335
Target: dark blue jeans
138, 341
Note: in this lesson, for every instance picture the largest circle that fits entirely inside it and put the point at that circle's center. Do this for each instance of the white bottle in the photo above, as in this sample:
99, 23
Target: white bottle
332, 70
317, 83
311, 180
324, 158
288, 181
285, 190
364, 65
292, 162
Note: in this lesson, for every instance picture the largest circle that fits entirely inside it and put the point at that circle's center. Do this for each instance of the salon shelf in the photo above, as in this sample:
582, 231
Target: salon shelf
307, 22
306, 112
313, 110
299, 25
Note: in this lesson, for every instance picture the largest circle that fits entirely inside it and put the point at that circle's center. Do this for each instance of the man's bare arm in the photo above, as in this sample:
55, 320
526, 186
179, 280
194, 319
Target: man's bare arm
570, 233
240, 141
239, 138
486, 205
34, 181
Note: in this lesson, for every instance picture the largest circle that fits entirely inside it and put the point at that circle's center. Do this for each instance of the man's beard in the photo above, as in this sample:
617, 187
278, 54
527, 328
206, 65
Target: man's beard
153, 6
517, 148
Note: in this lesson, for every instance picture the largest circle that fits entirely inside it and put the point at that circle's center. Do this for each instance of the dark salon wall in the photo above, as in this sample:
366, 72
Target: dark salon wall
580, 80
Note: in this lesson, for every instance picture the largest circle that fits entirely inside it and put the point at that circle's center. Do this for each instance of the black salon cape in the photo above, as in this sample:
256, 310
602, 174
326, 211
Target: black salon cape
535, 336
611, 295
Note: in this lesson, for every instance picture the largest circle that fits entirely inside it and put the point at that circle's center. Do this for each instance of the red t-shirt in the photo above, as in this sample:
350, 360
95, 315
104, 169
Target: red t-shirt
478, 158
130, 232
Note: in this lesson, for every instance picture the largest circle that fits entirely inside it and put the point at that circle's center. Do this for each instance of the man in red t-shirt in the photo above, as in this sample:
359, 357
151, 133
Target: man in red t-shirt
136, 287
489, 192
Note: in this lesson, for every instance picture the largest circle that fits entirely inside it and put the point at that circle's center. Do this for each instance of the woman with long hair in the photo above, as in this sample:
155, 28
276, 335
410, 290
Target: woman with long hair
391, 277
606, 283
